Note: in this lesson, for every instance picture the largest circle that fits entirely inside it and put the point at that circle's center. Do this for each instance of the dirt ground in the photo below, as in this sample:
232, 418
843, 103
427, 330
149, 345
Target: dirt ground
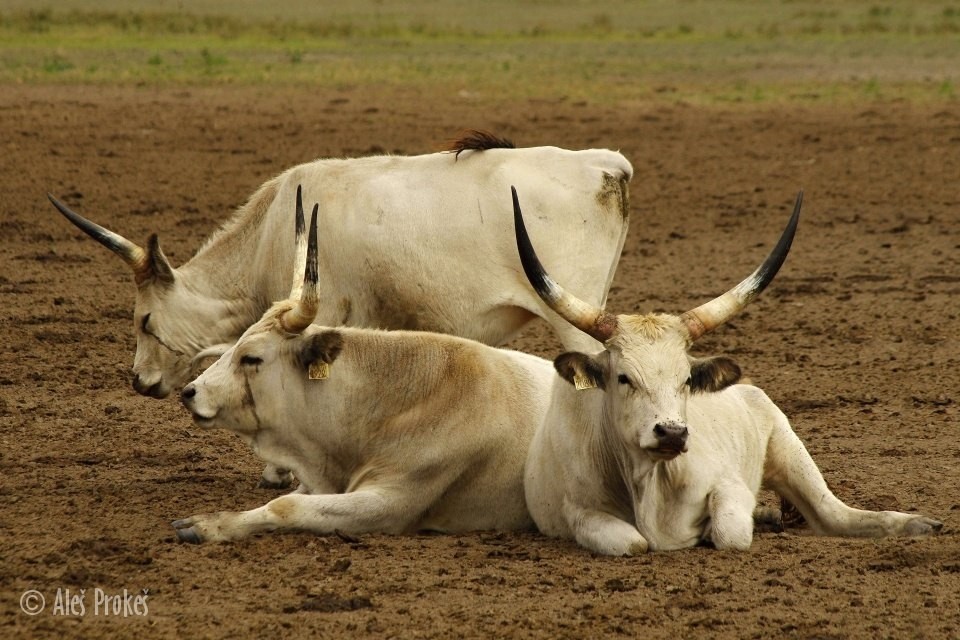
856, 340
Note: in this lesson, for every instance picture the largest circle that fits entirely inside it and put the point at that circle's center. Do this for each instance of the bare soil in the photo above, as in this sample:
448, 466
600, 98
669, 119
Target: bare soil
857, 341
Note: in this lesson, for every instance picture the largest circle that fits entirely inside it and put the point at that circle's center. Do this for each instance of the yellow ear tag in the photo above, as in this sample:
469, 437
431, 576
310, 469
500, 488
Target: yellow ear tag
582, 381
319, 370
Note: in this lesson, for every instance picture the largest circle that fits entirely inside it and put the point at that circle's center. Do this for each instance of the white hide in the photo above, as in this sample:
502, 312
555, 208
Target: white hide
593, 474
406, 242
408, 431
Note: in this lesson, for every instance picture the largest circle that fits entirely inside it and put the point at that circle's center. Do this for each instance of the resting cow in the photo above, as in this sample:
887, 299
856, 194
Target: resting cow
410, 242
646, 447
387, 431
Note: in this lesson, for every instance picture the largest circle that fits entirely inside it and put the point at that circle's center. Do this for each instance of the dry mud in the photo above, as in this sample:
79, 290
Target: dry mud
857, 341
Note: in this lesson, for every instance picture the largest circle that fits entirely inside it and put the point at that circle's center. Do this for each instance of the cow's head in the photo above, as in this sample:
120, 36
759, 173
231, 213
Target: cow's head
646, 371
257, 375
174, 320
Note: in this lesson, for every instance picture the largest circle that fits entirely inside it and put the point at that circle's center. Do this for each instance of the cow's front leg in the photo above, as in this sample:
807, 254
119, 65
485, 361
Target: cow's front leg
355, 512
602, 532
731, 505
274, 477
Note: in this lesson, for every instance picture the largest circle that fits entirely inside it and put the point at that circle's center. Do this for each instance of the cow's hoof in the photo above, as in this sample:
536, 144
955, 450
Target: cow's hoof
768, 520
921, 526
189, 535
186, 532
275, 479
276, 485
638, 548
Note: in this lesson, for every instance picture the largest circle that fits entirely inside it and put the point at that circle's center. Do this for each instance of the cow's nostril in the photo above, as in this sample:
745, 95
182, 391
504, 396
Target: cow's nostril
188, 393
667, 430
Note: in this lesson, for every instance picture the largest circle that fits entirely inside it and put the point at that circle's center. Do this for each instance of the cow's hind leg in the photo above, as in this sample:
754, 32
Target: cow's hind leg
792, 473
354, 512
731, 505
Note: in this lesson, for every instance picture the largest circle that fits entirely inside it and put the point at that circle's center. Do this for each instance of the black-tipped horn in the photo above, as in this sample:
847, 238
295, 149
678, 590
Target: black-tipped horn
129, 252
300, 224
711, 315
300, 317
590, 319
300, 252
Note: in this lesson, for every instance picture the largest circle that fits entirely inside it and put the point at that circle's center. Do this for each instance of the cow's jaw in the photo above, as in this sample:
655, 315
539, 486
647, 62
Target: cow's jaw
204, 422
204, 417
664, 454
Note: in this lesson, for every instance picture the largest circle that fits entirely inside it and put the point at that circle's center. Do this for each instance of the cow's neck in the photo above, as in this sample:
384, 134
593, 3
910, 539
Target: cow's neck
247, 264
423, 367
229, 305
606, 453
234, 270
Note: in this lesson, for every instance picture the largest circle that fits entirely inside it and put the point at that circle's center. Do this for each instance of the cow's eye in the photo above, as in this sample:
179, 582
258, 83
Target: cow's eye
144, 323
623, 379
251, 361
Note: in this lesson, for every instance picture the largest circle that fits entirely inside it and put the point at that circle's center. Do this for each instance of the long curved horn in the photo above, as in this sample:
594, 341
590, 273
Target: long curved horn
592, 320
711, 315
131, 253
146, 264
300, 253
300, 317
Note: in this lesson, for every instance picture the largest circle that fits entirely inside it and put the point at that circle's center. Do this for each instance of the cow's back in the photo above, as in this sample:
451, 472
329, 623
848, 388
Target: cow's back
452, 416
426, 242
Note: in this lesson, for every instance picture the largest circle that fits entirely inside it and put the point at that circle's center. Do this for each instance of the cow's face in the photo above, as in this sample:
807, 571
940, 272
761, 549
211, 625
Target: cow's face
225, 394
173, 324
645, 371
265, 374
646, 375
163, 356
172, 319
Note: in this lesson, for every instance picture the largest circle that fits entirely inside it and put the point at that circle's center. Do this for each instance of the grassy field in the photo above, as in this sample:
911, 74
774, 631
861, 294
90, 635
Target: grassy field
747, 51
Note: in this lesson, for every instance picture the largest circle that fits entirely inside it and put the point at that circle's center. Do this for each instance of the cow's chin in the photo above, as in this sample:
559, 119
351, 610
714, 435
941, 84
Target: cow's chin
663, 454
204, 422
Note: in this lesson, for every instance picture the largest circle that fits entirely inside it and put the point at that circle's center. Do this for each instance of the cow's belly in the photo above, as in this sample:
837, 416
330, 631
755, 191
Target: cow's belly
502, 511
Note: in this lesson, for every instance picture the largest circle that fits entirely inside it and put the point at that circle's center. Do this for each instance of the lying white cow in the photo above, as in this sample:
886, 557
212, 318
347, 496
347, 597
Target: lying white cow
387, 431
645, 447
410, 242
422, 242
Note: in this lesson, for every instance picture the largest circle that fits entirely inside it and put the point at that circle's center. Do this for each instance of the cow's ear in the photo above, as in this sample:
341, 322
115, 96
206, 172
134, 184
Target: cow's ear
713, 374
581, 370
321, 348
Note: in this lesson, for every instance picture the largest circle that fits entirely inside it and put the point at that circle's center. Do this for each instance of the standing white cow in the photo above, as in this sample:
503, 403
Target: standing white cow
410, 242
387, 431
645, 447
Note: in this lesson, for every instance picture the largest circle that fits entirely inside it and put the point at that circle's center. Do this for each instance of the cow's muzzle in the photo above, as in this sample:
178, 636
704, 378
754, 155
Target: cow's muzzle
671, 439
155, 390
188, 399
